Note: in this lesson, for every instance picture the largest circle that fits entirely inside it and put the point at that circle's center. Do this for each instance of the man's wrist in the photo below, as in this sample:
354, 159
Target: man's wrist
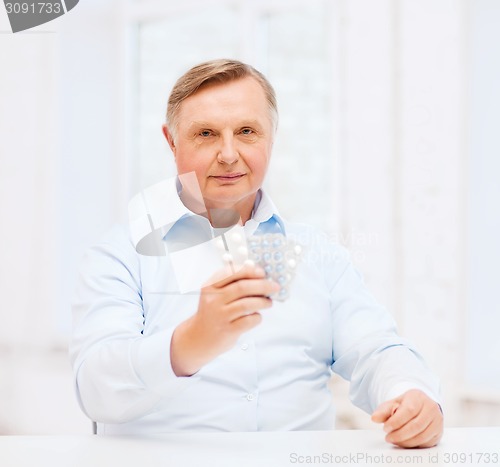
189, 350
181, 348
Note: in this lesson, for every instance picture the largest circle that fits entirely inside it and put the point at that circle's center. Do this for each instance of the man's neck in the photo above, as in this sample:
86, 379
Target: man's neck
221, 215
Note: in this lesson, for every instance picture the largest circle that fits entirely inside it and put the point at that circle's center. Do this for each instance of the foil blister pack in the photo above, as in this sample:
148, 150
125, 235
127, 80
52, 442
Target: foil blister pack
277, 255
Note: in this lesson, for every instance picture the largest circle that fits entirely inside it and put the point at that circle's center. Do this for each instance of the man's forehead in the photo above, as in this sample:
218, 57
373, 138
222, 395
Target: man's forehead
228, 92
215, 85
252, 122
238, 105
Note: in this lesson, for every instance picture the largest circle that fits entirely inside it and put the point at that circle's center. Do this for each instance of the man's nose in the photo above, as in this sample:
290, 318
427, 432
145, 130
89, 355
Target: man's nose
228, 153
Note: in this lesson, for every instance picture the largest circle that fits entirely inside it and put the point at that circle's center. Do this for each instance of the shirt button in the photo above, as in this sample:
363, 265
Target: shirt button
250, 397
244, 346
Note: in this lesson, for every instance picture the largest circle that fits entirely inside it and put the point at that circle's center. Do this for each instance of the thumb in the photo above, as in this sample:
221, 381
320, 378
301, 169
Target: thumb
384, 411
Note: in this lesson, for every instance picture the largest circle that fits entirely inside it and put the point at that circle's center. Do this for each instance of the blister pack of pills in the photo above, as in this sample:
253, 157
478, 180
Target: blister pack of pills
278, 256
275, 253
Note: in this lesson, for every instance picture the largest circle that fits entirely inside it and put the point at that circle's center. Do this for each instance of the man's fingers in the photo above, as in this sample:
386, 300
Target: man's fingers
225, 277
411, 429
405, 412
219, 276
426, 438
247, 322
384, 411
246, 306
250, 288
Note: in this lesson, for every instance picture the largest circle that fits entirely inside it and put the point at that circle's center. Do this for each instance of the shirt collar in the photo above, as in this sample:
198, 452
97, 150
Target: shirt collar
265, 215
177, 208
155, 210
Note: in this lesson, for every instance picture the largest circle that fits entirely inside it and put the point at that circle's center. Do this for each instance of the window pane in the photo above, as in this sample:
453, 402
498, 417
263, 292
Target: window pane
298, 65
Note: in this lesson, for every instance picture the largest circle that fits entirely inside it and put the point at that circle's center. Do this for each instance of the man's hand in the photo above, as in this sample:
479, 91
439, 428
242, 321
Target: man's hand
411, 420
227, 309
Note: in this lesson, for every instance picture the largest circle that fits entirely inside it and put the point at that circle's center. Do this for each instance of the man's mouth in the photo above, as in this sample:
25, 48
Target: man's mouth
229, 177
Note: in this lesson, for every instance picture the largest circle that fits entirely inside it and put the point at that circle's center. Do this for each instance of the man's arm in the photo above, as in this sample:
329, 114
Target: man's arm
120, 373
226, 310
384, 369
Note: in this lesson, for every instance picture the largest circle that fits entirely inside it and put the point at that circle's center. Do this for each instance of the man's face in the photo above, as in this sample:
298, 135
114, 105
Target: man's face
225, 135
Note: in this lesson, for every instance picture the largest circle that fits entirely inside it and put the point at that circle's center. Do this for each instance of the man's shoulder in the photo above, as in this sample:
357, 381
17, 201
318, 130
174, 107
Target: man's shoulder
115, 243
118, 236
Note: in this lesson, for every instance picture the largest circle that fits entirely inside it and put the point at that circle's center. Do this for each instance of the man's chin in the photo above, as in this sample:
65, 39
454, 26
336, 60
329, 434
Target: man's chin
238, 202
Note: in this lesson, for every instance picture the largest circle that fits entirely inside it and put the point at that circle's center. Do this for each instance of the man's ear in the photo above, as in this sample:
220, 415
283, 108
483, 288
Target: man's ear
169, 137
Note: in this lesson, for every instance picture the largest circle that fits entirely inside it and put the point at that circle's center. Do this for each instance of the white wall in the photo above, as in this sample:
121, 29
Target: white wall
28, 187
60, 176
91, 133
483, 357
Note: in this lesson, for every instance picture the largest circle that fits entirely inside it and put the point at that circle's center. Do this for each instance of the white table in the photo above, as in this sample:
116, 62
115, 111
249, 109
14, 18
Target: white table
459, 447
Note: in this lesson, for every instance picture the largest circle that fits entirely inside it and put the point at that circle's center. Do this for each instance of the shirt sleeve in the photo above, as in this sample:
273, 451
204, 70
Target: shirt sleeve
367, 350
120, 374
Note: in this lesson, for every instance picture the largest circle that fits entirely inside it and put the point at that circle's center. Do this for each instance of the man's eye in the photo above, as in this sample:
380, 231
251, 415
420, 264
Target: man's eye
205, 133
247, 131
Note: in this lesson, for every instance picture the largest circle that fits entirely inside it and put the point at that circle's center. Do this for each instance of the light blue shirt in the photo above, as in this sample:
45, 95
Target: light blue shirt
275, 378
